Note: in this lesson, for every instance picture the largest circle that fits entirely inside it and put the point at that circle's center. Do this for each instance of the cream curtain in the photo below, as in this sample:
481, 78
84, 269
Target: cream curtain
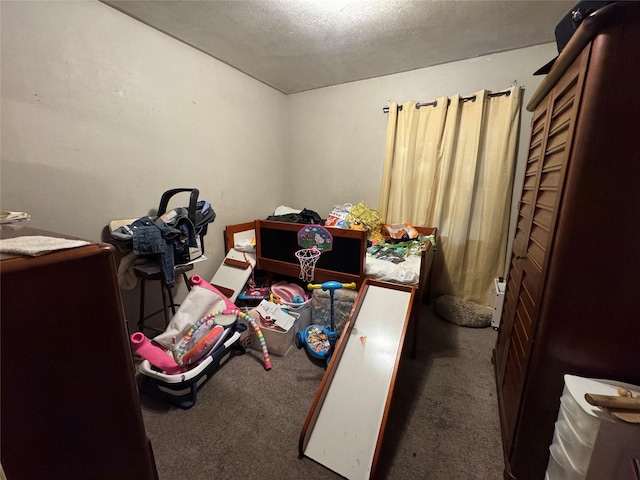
450, 165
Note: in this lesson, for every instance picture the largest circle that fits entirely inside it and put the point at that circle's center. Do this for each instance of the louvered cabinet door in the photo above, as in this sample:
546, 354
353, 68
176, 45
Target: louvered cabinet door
510, 350
523, 227
551, 139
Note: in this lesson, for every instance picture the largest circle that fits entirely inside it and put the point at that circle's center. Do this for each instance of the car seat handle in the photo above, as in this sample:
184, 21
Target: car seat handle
166, 196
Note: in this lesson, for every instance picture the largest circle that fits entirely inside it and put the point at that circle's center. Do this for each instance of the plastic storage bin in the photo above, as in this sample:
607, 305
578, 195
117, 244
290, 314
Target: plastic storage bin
304, 312
578, 451
560, 466
578, 425
278, 342
585, 425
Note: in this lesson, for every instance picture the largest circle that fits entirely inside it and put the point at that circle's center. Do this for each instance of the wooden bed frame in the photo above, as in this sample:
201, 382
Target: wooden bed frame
341, 433
276, 244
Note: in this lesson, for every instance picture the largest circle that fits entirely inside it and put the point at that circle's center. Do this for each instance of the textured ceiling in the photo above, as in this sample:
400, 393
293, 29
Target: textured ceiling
298, 45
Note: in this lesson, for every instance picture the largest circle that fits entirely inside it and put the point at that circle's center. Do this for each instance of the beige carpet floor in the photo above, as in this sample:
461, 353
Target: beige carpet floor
443, 423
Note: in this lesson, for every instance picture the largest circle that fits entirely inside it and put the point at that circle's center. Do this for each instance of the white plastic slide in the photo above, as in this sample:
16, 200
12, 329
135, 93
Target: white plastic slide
346, 423
236, 267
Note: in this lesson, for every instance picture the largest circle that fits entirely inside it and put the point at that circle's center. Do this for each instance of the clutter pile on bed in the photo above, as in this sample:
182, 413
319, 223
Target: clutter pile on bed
396, 262
395, 251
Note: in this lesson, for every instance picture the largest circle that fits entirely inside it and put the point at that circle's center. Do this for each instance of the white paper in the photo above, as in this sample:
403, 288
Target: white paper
270, 310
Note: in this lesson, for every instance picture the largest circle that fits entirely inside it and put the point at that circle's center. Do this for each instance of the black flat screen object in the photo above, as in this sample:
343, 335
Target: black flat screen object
282, 245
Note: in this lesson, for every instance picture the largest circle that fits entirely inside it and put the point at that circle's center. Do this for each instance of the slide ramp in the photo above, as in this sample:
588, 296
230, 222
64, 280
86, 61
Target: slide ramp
232, 275
345, 425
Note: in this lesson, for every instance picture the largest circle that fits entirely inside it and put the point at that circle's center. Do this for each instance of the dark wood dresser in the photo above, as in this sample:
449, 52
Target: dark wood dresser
69, 402
572, 301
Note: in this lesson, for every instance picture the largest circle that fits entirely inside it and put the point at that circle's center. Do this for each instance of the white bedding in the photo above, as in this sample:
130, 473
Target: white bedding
407, 272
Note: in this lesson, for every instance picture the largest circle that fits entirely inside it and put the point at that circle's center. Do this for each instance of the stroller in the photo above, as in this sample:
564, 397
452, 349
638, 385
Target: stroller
179, 361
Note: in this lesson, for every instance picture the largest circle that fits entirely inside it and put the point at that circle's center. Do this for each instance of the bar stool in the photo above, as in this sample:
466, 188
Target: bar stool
150, 272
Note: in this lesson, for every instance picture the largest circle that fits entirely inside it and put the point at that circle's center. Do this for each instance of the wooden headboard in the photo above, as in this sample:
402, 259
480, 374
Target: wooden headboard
245, 230
277, 243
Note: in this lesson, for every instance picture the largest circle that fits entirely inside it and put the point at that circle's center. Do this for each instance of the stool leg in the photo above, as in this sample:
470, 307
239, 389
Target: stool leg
141, 315
164, 302
172, 303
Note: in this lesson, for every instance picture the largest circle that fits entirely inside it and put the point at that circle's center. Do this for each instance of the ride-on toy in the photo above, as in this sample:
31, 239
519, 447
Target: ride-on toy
318, 340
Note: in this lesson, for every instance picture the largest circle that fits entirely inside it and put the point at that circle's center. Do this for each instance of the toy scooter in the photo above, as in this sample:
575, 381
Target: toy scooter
318, 340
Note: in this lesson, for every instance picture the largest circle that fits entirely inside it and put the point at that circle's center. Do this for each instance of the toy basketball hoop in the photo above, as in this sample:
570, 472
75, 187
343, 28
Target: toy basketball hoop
307, 258
314, 239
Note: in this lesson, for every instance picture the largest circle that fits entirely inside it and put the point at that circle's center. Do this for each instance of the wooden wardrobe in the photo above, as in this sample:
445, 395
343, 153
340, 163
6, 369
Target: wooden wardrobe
572, 301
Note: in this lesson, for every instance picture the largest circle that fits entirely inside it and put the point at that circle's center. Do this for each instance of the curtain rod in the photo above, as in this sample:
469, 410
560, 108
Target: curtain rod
472, 98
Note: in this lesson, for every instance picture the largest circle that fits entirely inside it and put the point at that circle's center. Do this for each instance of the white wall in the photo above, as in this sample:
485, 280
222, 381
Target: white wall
102, 114
337, 134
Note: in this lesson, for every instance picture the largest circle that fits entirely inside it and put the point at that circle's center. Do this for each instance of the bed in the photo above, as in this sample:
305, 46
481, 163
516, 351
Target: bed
276, 244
